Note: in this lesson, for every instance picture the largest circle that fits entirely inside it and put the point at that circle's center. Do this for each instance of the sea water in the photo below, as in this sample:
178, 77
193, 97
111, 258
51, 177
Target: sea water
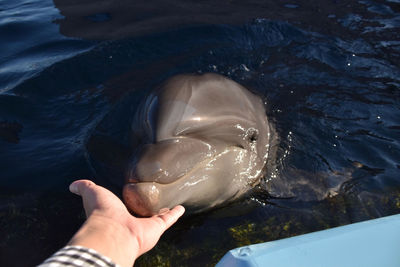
72, 75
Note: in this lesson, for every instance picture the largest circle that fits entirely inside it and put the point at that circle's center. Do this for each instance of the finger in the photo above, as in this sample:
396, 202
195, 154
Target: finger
171, 216
79, 187
87, 190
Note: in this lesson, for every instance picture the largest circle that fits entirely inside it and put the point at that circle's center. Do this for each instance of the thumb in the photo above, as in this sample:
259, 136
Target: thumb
79, 187
87, 190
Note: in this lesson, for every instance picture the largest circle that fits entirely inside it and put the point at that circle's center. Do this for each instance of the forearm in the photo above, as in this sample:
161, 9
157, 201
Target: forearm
109, 238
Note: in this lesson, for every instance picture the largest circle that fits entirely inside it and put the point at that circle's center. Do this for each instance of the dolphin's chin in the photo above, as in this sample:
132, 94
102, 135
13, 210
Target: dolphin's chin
142, 198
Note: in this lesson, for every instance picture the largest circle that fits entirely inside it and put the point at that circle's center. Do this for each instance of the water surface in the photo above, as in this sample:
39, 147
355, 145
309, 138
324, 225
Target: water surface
72, 76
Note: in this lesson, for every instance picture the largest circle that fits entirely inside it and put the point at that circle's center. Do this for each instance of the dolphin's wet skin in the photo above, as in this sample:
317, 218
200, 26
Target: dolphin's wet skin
211, 144
101, 90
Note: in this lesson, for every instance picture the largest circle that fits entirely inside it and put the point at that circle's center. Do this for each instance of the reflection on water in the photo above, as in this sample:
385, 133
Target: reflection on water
329, 72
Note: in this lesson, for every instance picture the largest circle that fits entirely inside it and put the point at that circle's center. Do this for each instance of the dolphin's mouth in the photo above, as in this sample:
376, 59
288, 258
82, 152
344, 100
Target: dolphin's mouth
143, 192
169, 160
172, 180
147, 198
165, 176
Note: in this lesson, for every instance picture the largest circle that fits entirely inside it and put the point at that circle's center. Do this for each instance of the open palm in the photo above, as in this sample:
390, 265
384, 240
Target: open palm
100, 202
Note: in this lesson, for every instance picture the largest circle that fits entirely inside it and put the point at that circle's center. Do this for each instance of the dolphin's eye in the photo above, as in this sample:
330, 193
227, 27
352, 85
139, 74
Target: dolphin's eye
252, 135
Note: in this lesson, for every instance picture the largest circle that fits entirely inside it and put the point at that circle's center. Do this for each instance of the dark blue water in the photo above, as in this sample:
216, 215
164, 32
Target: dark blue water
73, 74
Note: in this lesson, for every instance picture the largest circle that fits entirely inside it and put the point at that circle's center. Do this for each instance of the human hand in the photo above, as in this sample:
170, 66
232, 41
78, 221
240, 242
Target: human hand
112, 230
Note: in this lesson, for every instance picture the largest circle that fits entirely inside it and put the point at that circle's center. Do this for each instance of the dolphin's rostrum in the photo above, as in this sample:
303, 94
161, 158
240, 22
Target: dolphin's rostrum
211, 139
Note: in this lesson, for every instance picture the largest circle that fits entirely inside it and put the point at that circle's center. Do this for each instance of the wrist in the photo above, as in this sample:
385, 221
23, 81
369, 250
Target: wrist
108, 237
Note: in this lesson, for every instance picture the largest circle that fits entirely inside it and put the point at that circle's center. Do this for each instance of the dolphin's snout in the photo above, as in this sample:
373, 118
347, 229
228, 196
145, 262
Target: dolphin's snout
168, 160
161, 164
143, 200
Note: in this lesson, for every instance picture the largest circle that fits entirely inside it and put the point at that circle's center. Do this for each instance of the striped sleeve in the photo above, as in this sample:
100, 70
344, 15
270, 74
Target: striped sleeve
77, 256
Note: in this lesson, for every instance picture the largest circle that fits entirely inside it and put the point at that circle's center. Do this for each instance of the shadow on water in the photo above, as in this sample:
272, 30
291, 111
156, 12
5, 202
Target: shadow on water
329, 72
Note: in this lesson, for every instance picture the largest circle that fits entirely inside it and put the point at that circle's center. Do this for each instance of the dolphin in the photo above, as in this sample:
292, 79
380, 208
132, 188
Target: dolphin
210, 141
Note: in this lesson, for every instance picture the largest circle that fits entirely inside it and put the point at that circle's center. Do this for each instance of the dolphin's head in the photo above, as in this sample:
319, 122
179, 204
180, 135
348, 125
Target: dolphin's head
211, 142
